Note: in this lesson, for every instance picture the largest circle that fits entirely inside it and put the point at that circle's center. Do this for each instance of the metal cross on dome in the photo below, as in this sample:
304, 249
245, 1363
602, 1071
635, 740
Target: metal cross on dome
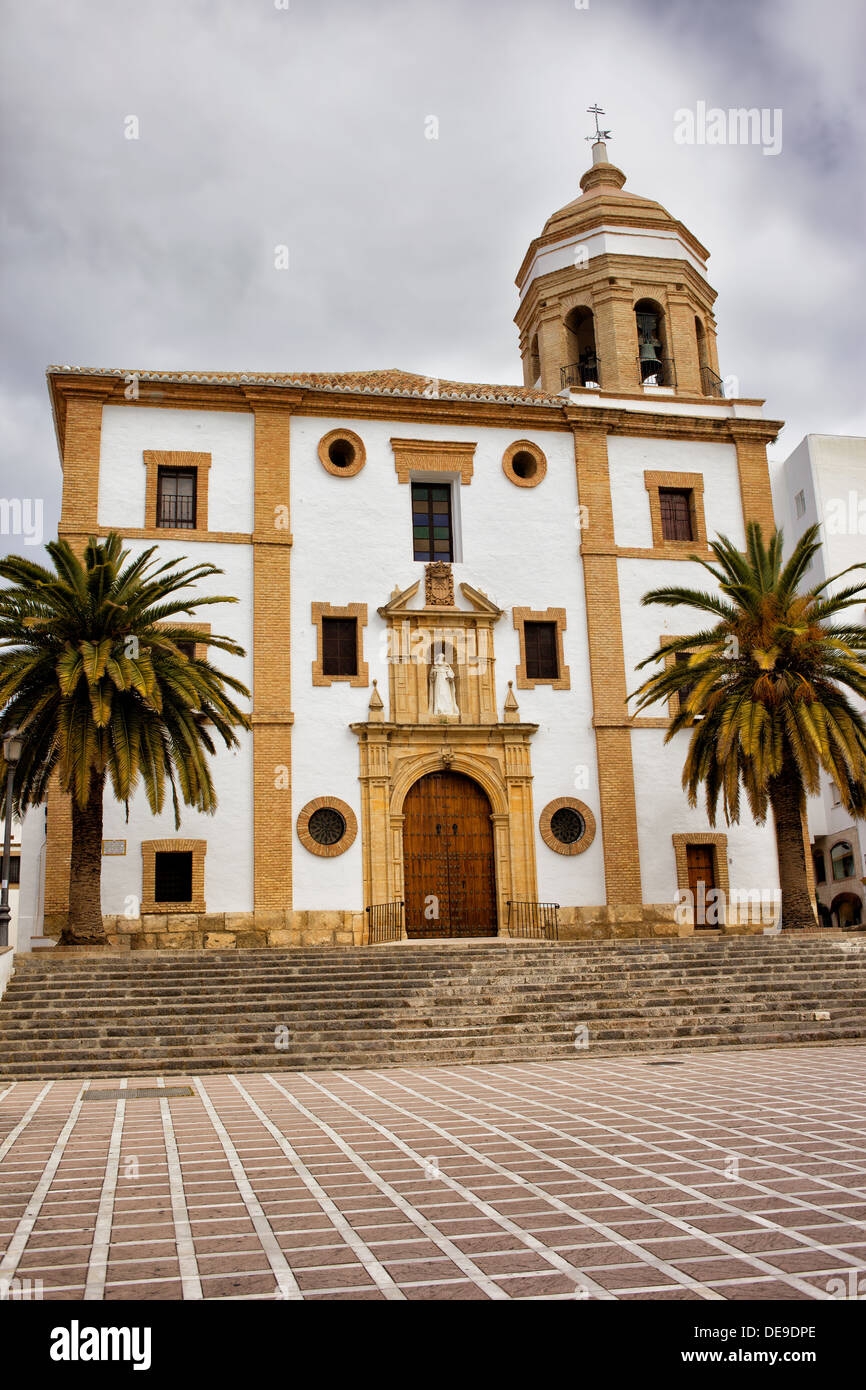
597, 111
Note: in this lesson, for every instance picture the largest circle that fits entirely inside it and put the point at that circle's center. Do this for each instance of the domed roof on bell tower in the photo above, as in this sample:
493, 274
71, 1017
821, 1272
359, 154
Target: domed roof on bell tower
613, 285
604, 202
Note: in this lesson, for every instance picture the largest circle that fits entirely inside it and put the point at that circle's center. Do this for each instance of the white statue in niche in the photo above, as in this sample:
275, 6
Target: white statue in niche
442, 700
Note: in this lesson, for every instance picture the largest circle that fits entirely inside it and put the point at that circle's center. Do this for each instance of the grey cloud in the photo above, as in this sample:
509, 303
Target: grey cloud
306, 127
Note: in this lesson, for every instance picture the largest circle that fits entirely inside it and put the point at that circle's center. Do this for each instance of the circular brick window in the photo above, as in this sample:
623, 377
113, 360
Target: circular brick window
567, 825
327, 826
342, 453
524, 464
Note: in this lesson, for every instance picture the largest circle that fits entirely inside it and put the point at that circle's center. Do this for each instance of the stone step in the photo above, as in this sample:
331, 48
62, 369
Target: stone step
197, 1040
478, 1051
82, 1022
33, 1006
148, 1013
29, 989
262, 962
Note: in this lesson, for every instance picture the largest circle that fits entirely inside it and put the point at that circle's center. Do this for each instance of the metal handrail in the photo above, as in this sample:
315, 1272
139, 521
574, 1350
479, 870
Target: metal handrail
586, 373
385, 922
662, 369
712, 384
533, 919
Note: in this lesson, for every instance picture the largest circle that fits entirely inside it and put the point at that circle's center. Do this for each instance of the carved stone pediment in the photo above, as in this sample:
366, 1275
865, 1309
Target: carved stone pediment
479, 600
418, 635
399, 601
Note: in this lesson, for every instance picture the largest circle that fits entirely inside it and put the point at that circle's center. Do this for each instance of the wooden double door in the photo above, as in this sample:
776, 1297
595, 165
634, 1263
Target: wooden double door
449, 873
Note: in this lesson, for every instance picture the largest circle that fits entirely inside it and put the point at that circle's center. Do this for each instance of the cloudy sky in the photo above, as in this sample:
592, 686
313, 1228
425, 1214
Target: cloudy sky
261, 125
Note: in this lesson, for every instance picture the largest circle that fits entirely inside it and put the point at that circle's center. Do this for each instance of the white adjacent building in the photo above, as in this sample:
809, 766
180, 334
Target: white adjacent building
824, 482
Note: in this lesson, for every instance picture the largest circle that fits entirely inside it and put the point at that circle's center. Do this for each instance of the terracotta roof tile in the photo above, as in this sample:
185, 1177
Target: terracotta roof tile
389, 381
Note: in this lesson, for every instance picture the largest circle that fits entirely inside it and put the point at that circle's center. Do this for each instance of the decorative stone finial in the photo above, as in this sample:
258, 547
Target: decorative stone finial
511, 708
376, 709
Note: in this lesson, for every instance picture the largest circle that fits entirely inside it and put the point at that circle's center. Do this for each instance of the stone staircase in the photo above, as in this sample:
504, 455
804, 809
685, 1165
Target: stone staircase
142, 1013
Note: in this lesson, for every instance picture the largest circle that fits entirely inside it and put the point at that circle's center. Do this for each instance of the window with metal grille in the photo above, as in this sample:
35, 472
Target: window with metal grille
432, 529
542, 661
676, 510
173, 876
326, 826
186, 649
339, 646
14, 870
176, 497
567, 825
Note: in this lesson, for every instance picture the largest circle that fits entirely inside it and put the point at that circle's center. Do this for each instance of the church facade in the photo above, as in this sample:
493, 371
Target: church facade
439, 590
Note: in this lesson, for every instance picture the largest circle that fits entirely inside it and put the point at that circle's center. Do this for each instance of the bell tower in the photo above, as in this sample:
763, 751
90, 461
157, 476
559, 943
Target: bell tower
614, 295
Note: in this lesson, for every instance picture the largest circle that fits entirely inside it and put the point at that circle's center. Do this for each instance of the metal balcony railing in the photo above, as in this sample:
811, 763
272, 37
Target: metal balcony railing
385, 923
533, 919
176, 511
585, 373
657, 371
711, 384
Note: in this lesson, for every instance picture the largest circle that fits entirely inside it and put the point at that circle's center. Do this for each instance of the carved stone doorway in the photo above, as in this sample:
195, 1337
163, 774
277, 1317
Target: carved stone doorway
448, 858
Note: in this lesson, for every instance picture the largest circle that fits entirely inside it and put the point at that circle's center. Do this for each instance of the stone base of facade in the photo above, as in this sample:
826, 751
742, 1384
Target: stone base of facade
220, 931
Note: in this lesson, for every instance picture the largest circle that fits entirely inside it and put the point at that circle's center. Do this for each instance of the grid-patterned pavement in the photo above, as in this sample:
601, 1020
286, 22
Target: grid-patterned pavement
726, 1175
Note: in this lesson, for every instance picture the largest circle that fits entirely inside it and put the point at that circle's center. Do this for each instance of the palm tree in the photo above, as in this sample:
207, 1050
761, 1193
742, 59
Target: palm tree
767, 694
93, 674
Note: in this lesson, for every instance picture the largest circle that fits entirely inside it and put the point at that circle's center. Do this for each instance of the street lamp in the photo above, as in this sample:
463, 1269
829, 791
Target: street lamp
13, 742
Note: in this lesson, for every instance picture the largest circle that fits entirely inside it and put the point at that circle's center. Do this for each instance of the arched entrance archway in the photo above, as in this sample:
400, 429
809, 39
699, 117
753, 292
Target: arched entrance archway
449, 874
847, 910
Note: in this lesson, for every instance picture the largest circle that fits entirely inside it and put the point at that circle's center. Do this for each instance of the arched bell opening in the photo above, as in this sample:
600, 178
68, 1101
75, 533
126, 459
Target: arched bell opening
583, 367
534, 362
655, 363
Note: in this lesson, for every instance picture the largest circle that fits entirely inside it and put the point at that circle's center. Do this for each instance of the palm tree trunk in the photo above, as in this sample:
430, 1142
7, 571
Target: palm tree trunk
84, 927
786, 798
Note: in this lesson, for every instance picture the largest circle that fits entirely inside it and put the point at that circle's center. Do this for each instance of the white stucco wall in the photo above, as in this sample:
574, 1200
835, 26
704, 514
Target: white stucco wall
630, 456
663, 810
14, 890
830, 471
612, 241
662, 806
31, 893
227, 435
229, 861
353, 543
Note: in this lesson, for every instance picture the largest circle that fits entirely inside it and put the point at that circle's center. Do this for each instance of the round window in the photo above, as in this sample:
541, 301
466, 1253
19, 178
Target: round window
567, 825
524, 465
326, 826
341, 452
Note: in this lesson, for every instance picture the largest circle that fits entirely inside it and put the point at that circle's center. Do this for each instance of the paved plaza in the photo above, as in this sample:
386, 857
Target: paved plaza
710, 1176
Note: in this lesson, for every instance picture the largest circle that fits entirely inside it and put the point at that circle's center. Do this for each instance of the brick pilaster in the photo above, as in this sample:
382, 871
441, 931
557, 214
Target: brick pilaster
616, 337
272, 717
607, 673
755, 492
